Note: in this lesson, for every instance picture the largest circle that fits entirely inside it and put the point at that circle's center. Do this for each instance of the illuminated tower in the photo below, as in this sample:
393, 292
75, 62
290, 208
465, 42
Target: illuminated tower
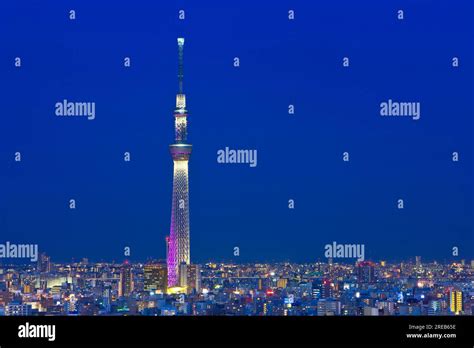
178, 250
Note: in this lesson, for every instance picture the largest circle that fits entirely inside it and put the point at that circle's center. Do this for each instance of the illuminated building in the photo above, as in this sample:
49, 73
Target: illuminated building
126, 280
70, 304
365, 272
44, 263
371, 311
434, 307
455, 301
327, 289
155, 277
5, 297
322, 288
316, 291
329, 307
418, 261
52, 281
282, 282
190, 277
178, 249
17, 309
107, 299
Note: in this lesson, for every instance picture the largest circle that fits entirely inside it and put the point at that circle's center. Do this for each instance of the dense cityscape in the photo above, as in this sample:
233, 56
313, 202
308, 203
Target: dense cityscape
280, 289
176, 286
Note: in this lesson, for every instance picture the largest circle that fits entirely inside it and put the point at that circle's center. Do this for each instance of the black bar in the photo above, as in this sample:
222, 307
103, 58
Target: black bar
139, 331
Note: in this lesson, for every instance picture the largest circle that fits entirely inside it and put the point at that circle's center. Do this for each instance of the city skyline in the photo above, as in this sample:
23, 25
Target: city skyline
24, 261
225, 289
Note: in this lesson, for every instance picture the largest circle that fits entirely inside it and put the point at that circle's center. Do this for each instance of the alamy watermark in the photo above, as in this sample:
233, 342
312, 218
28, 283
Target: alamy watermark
67, 108
347, 251
19, 251
228, 155
407, 109
37, 331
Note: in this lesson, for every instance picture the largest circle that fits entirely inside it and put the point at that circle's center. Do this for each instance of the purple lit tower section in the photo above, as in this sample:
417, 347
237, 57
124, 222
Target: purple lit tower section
178, 245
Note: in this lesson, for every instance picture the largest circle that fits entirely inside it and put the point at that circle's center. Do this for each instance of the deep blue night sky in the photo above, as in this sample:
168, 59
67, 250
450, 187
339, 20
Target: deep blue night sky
299, 156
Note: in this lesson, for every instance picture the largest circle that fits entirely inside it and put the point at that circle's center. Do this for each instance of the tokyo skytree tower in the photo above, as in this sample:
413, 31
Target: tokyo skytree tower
178, 244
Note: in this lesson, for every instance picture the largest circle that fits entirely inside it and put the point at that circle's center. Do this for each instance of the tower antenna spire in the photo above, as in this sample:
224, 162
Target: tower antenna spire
180, 64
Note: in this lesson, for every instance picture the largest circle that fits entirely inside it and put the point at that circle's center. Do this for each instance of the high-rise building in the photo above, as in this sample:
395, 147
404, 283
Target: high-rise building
365, 272
455, 301
322, 288
107, 299
44, 263
418, 261
190, 277
70, 305
126, 280
155, 277
327, 289
178, 250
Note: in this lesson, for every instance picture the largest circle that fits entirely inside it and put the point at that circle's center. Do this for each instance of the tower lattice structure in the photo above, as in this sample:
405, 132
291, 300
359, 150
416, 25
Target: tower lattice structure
178, 243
